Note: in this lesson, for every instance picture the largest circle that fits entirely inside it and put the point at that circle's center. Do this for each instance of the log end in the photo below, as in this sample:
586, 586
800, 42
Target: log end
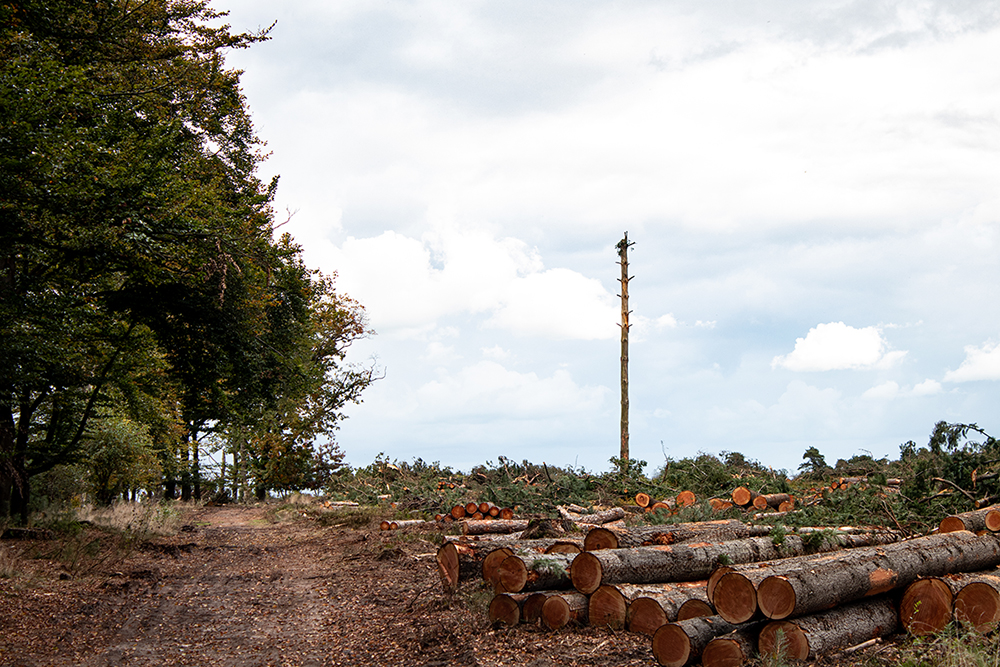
556, 613
642, 499
742, 496
978, 605
607, 608
563, 548
671, 646
492, 561
694, 609
713, 579
686, 499
776, 598
734, 598
586, 572
926, 607
504, 609
722, 652
447, 560
646, 616
783, 639
600, 538
992, 520
950, 524
531, 610
512, 574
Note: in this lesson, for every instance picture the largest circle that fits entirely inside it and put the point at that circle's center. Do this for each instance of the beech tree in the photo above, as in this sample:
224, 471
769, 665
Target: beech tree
136, 249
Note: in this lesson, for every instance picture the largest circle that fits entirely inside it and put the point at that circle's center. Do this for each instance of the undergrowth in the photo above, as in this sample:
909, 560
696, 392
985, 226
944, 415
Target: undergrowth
955, 646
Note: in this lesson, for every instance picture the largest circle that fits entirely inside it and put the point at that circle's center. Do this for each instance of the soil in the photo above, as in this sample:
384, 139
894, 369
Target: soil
248, 586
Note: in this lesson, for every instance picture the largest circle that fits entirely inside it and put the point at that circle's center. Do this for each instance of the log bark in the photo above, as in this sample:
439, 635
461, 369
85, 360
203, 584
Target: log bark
838, 578
565, 548
926, 607
718, 531
772, 500
482, 526
987, 518
809, 637
653, 605
682, 643
460, 560
527, 571
731, 650
607, 608
562, 609
681, 562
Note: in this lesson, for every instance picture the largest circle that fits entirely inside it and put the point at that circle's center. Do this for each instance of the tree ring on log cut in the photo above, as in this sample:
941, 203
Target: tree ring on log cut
978, 604
562, 609
776, 598
926, 607
694, 609
531, 610
492, 561
512, 574
447, 560
504, 609
646, 616
735, 599
608, 607
722, 652
671, 646
993, 520
783, 639
586, 572
713, 579
600, 538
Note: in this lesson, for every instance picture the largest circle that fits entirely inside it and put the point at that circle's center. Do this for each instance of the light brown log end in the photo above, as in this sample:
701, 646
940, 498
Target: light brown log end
786, 506
563, 548
671, 646
492, 561
645, 616
642, 499
742, 496
713, 579
992, 520
722, 652
686, 499
694, 609
586, 572
783, 639
760, 502
734, 598
504, 609
926, 607
447, 560
506, 513
471, 508
607, 608
950, 524
512, 574
978, 605
458, 512
385, 525
600, 538
776, 598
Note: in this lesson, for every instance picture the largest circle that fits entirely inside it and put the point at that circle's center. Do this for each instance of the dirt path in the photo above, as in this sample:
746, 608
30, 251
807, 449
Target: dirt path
234, 588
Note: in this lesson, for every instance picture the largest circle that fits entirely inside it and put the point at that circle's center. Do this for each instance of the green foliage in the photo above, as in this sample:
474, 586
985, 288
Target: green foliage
955, 646
120, 458
815, 466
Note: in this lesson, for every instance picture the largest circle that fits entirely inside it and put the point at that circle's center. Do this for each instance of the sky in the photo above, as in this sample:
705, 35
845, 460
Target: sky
811, 189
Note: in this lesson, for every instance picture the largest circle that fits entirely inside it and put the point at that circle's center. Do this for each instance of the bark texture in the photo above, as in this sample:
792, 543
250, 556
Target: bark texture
653, 605
482, 526
716, 531
987, 518
535, 572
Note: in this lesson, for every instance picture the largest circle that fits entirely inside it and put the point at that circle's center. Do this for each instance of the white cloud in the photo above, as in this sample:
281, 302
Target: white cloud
882, 391
488, 390
981, 363
496, 353
837, 346
890, 389
927, 388
667, 321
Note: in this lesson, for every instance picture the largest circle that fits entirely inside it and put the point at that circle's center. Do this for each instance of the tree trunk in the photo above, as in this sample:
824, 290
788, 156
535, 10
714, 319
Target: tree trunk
743, 497
607, 608
772, 500
682, 562
535, 572
987, 518
597, 518
977, 601
481, 527
682, 643
809, 637
562, 609
825, 581
725, 529
736, 648
653, 605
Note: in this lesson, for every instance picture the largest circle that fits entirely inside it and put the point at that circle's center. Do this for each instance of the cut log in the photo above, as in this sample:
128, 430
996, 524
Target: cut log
449, 566
681, 643
607, 608
718, 531
471, 507
642, 499
787, 506
720, 505
695, 608
987, 518
731, 650
485, 507
735, 595
494, 512
809, 637
686, 499
531, 608
662, 505
772, 500
506, 608
491, 563
834, 579
604, 516
681, 562
743, 497
458, 512
977, 602
565, 548
385, 525
535, 572
652, 605
506, 513
926, 607
562, 609
470, 527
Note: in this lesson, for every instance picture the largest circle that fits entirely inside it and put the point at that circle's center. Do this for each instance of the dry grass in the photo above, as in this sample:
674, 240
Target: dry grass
142, 520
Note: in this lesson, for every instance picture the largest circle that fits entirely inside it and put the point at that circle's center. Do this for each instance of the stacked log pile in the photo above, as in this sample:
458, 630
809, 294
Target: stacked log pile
789, 598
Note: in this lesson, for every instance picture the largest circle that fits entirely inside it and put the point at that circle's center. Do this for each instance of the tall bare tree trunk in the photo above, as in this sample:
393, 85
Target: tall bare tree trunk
623, 247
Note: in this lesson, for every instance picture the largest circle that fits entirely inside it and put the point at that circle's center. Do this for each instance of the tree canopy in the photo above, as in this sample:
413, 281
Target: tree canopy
138, 268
